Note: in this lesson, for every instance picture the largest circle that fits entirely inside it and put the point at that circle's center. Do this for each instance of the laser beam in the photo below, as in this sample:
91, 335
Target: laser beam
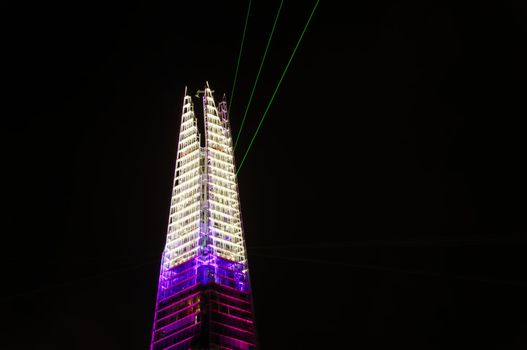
258, 74
240, 53
277, 87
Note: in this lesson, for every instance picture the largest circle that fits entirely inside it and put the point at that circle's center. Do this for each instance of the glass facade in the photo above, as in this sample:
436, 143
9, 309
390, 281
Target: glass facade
204, 297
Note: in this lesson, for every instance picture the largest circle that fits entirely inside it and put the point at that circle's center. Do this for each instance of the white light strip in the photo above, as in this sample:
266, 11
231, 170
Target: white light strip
224, 220
184, 218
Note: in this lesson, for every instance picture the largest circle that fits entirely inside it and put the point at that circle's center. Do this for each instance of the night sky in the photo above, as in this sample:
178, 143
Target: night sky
383, 201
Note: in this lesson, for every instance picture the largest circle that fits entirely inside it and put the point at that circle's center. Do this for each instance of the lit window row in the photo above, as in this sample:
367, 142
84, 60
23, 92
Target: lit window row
177, 233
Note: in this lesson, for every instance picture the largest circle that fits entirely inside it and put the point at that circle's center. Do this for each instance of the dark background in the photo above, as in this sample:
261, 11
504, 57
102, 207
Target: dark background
383, 201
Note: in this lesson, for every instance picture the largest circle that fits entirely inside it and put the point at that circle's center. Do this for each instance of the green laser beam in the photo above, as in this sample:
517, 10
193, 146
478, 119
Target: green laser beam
258, 74
240, 53
277, 87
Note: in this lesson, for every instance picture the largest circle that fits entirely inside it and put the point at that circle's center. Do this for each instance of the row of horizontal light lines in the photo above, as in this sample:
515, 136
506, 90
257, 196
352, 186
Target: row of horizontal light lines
222, 198
222, 214
183, 228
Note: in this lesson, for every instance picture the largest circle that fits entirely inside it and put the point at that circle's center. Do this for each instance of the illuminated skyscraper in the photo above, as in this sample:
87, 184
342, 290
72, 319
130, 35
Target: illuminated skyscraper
204, 297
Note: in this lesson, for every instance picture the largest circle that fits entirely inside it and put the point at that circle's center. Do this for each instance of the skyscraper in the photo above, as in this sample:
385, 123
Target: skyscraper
204, 296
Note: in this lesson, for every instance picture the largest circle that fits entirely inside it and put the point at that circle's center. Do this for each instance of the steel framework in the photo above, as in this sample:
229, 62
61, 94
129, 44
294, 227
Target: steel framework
204, 297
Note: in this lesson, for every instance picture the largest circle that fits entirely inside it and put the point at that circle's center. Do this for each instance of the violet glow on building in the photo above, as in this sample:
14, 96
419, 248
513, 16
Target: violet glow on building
204, 297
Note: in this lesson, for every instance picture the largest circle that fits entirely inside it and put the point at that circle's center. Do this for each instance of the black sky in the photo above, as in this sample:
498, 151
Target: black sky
384, 199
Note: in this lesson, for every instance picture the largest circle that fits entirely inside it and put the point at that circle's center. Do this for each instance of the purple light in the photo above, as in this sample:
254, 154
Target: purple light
204, 295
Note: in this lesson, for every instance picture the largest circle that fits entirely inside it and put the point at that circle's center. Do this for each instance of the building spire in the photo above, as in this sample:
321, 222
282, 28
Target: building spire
204, 295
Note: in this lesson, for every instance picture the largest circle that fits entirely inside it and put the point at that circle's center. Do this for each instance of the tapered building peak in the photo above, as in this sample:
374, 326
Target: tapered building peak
204, 297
